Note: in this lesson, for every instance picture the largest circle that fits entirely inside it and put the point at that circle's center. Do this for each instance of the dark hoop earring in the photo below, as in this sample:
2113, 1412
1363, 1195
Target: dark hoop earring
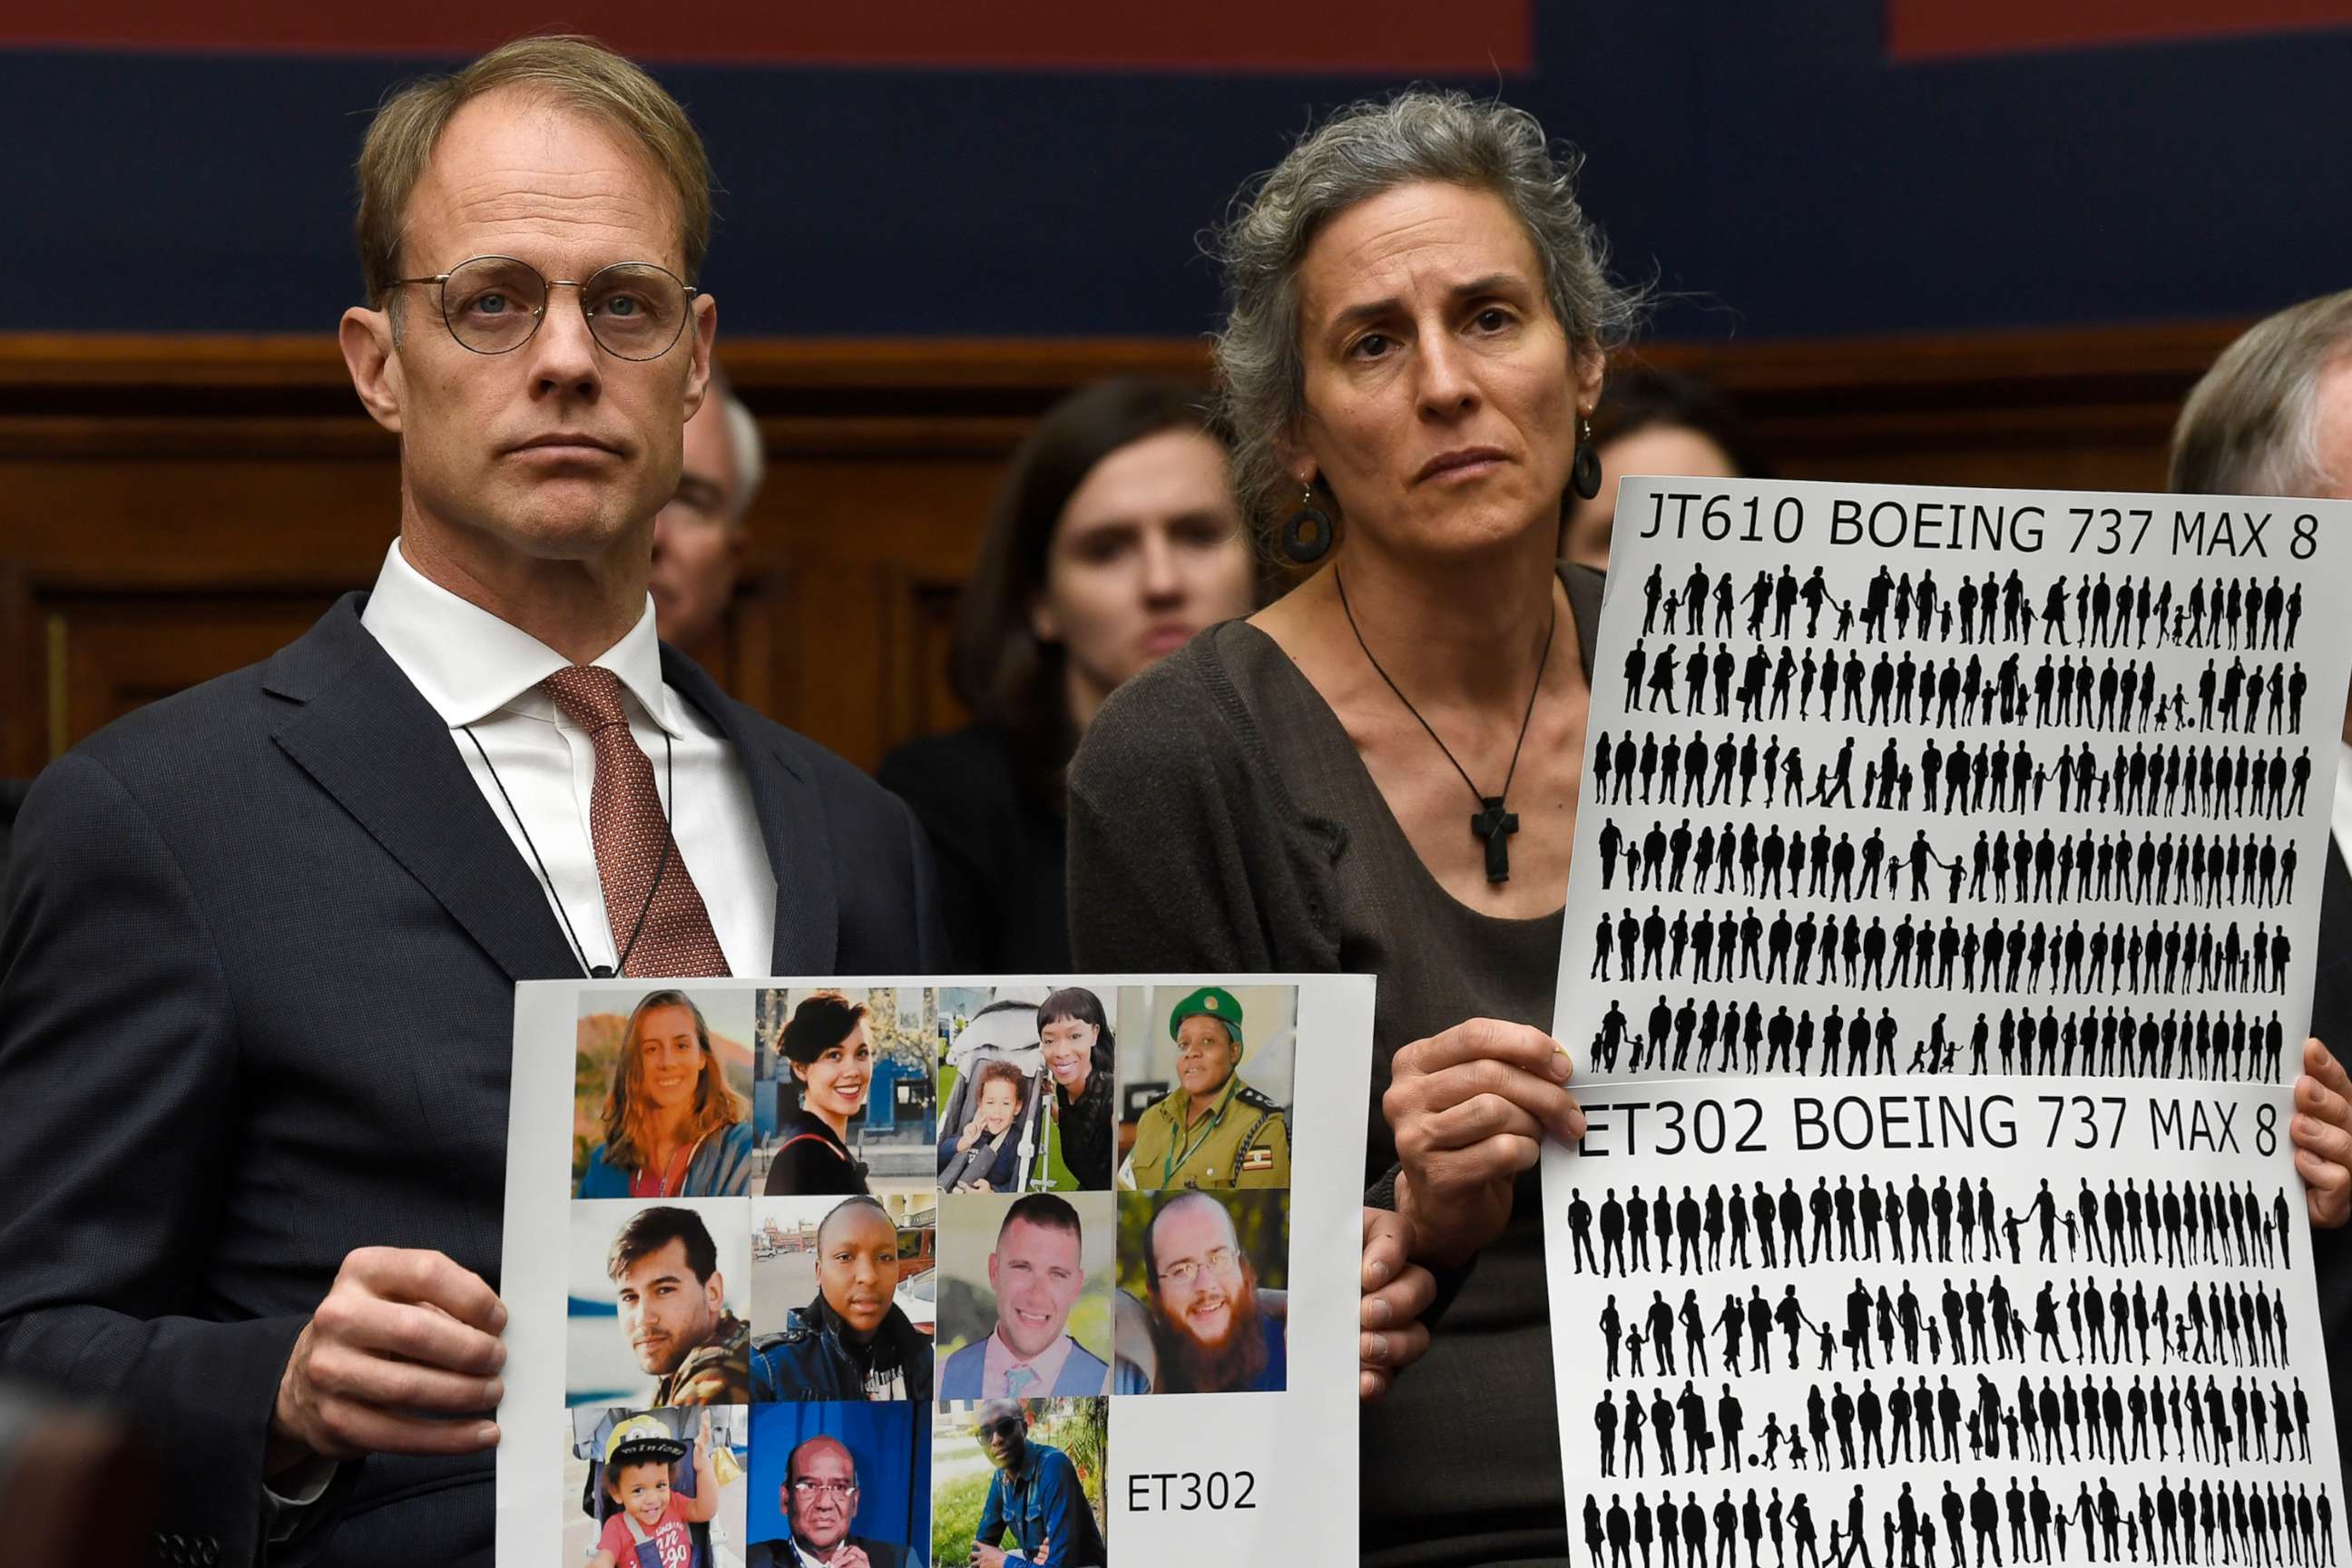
1306, 536
1584, 473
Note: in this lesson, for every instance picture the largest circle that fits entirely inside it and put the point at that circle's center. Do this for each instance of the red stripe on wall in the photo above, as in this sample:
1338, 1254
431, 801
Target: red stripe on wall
1405, 38
1949, 29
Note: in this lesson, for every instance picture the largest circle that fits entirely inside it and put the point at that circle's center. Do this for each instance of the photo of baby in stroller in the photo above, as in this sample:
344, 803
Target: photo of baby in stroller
1003, 1128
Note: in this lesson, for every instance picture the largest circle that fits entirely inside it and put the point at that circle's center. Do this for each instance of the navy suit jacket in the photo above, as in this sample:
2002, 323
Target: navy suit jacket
2331, 1020
256, 1007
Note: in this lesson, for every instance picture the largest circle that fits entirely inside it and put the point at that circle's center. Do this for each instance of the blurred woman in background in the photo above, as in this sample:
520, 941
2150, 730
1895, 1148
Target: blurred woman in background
1655, 422
1115, 538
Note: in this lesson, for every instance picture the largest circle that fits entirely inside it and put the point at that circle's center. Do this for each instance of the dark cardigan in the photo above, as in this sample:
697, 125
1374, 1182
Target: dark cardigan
1220, 821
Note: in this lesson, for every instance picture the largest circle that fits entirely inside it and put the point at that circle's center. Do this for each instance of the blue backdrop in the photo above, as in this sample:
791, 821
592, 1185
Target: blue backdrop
1768, 165
893, 1451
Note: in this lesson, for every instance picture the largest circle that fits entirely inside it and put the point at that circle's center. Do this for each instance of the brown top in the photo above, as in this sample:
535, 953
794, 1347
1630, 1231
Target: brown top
1270, 848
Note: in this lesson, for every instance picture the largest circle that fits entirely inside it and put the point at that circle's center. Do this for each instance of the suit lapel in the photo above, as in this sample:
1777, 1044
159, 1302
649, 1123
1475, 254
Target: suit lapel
2331, 1001
792, 823
371, 739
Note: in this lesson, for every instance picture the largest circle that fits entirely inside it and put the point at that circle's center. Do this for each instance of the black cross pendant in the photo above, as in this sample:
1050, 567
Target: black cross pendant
1496, 825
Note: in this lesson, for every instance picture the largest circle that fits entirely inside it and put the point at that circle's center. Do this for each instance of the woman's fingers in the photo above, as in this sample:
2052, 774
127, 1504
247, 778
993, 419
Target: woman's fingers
1516, 1045
1543, 1099
1477, 1166
1474, 1121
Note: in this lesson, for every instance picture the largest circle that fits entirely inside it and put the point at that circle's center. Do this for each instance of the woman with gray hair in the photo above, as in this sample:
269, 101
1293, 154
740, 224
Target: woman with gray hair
1379, 772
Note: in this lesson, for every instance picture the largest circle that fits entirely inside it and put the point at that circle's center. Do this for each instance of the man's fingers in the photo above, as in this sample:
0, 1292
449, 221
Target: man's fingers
2327, 1189
2327, 1139
339, 1371
2321, 1064
2316, 1100
416, 1333
1522, 1045
429, 1279
347, 1430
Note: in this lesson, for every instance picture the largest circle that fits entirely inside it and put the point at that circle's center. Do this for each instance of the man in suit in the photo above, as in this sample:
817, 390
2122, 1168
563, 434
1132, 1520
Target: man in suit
1036, 1274
2274, 417
820, 1500
257, 981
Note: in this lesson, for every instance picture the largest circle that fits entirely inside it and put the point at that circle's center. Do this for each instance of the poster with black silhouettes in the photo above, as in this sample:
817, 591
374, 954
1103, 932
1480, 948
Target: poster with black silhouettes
1055, 1270
1904, 1324
1913, 781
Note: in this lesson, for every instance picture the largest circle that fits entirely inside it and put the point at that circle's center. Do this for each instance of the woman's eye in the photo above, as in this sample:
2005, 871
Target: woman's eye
1372, 345
1494, 318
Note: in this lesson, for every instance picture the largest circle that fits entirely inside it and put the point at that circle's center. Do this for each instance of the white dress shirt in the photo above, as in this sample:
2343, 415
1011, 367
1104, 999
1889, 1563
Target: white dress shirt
2339, 823
481, 673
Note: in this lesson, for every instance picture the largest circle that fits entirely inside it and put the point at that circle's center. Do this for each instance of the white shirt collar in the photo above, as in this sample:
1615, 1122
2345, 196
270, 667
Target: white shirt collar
2341, 819
469, 664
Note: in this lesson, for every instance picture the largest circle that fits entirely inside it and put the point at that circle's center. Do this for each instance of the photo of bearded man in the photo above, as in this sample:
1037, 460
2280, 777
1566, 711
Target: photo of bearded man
1202, 1305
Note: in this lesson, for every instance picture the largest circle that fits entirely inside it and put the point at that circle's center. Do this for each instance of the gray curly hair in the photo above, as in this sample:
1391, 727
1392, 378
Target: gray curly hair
1419, 135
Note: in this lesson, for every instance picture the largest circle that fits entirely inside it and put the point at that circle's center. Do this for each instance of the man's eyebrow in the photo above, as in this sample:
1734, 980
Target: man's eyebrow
697, 490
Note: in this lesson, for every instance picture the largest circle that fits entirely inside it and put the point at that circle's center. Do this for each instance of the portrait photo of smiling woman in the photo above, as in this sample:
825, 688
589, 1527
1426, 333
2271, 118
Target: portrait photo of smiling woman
830, 1061
672, 1125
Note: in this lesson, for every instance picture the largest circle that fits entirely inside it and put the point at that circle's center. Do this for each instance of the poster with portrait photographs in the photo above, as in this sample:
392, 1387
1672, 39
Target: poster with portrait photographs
1928, 1325
1956, 782
942, 1270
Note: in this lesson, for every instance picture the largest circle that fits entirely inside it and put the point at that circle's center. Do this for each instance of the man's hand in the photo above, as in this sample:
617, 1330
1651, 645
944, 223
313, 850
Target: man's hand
986, 1556
403, 1336
852, 1557
1392, 1336
2322, 1134
1470, 1108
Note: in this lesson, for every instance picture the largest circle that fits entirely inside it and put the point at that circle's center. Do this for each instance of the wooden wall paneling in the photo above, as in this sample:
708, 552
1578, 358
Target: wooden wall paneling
178, 506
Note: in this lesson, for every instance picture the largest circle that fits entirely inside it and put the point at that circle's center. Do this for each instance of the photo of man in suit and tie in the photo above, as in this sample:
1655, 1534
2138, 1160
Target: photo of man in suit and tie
268, 930
1036, 1276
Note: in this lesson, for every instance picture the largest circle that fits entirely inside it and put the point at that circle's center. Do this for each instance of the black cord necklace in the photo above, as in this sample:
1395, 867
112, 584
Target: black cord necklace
1493, 822
620, 966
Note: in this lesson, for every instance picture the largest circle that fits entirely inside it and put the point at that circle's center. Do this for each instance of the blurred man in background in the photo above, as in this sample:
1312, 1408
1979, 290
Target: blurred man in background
699, 539
2274, 417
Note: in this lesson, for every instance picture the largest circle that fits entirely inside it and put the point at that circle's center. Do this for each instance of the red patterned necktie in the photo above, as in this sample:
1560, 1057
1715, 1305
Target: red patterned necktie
624, 816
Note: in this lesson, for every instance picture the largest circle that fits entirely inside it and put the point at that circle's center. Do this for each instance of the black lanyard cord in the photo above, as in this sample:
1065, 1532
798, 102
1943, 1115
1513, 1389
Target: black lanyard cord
594, 972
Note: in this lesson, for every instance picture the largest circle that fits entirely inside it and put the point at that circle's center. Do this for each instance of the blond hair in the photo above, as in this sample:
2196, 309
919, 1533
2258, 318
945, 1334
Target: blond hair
576, 74
629, 1120
2250, 425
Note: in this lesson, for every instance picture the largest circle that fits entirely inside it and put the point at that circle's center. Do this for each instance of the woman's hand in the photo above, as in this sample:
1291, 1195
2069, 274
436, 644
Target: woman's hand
2322, 1134
1470, 1109
1392, 1336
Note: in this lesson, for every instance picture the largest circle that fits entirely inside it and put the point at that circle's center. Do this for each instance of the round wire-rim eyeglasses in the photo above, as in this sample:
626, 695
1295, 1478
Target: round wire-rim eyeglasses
590, 309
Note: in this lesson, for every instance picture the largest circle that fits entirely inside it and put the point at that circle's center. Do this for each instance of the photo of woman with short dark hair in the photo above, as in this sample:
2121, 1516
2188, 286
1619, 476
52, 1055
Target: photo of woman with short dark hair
832, 1067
